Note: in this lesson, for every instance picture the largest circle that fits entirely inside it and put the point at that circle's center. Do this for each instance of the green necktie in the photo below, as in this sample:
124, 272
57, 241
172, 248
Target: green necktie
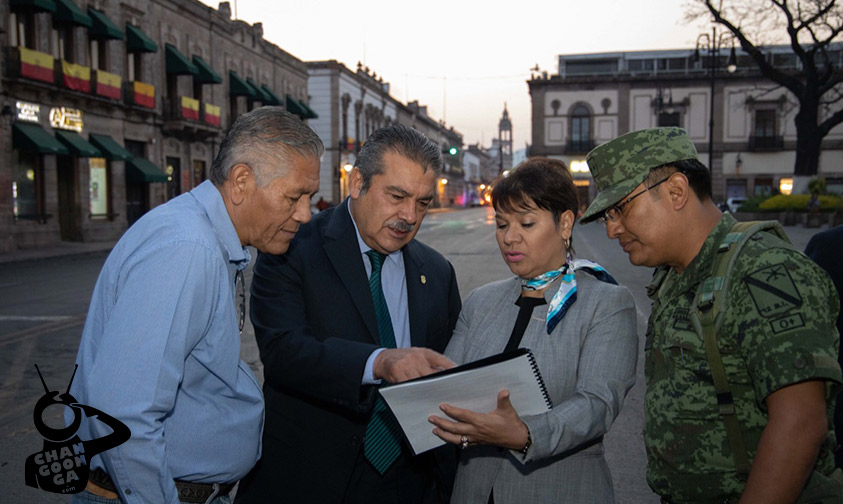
383, 435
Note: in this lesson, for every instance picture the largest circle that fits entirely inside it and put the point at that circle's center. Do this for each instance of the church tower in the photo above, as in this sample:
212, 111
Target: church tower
505, 141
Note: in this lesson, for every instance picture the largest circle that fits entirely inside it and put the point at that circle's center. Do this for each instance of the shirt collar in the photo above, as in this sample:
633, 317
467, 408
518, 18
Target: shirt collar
363, 247
209, 198
700, 267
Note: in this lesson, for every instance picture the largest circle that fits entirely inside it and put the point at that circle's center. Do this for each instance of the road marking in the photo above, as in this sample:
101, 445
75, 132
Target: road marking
51, 326
36, 318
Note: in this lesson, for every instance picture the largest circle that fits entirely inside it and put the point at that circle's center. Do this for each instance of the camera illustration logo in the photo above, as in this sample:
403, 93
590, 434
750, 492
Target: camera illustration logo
62, 465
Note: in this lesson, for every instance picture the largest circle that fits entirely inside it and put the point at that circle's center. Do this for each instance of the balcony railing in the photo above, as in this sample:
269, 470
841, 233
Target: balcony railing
766, 143
579, 146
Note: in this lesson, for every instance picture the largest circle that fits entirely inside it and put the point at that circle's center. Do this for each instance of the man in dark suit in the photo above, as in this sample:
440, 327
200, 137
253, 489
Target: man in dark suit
824, 248
355, 302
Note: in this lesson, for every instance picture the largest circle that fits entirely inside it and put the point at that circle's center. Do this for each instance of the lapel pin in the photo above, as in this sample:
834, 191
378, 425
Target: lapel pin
423, 279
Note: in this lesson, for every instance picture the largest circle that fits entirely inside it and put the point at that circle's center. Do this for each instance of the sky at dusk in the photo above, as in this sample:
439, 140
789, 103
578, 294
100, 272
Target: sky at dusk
465, 59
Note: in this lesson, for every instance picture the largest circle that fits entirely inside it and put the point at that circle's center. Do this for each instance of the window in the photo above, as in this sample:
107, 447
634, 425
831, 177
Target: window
641, 65
173, 177
27, 185
580, 129
22, 29
134, 69
99, 60
98, 189
669, 119
764, 135
63, 43
765, 123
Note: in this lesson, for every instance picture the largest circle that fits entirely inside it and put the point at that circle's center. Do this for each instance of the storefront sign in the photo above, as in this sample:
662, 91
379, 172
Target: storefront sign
28, 111
66, 118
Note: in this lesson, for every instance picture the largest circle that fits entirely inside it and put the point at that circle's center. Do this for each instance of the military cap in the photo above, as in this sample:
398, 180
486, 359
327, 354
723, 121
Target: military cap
620, 165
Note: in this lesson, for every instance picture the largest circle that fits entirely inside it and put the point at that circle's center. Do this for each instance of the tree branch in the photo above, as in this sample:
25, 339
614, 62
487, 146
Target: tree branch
768, 70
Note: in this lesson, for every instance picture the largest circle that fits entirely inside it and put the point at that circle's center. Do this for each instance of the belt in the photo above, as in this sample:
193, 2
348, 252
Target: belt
194, 493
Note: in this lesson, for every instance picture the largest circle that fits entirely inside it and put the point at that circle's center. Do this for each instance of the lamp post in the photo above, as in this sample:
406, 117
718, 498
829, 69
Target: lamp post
712, 44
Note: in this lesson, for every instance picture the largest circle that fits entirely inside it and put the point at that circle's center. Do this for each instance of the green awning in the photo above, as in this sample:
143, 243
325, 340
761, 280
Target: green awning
77, 145
261, 94
206, 73
102, 27
140, 170
68, 12
138, 41
294, 107
273, 96
37, 5
109, 148
33, 138
309, 113
239, 87
177, 64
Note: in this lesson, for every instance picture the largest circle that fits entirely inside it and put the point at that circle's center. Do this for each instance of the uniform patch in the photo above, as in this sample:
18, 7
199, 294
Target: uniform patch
788, 323
773, 291
681, 320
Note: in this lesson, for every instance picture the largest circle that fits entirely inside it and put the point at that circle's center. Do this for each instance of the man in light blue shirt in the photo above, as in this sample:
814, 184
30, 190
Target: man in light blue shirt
160, 347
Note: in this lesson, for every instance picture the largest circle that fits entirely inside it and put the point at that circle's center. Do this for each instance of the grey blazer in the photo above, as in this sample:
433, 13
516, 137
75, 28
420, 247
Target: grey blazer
588, 364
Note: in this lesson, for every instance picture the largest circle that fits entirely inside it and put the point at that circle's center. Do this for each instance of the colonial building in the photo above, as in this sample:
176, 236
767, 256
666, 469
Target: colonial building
353, 104
596, 97
110, 108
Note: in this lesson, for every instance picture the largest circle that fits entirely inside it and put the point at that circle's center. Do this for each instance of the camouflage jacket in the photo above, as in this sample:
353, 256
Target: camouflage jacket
778, 330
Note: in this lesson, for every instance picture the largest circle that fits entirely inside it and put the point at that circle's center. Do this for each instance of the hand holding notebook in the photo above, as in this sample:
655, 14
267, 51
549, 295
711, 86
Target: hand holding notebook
474, 386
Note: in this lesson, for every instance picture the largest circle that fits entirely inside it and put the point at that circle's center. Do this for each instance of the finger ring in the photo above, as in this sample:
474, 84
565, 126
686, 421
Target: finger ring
463, 441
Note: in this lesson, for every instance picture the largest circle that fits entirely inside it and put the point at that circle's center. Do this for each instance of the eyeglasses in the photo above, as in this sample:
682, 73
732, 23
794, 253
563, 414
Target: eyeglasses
615, 212
240, 289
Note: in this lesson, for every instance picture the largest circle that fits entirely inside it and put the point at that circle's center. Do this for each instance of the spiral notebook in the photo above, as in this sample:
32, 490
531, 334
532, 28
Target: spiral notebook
473, 386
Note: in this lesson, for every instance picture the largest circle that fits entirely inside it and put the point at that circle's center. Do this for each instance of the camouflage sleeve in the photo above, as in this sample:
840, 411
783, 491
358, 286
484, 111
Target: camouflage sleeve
784, 310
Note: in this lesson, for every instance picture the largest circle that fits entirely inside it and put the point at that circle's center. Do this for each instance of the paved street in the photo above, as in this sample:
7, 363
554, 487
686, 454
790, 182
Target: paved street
43, 304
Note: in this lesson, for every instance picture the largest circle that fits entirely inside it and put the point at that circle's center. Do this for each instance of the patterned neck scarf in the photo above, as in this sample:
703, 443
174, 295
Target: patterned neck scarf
567, 293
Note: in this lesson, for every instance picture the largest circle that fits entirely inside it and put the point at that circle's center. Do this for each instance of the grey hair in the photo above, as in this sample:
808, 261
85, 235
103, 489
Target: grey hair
260, 137
402, 140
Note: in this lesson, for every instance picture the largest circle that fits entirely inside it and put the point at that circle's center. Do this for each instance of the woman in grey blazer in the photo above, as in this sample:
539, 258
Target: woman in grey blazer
579, 325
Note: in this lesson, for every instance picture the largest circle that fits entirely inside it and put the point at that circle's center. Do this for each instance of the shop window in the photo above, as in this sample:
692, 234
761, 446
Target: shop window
27, 186
763, 186
736, 188
173, 177
198, 172
22, 29
99, 189
834, 185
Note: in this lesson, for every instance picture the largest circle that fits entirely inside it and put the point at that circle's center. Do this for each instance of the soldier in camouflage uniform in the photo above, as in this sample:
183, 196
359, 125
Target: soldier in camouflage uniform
777, 342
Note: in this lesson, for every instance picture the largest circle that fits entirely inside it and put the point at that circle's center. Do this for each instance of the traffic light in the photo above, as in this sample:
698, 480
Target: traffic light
453, 151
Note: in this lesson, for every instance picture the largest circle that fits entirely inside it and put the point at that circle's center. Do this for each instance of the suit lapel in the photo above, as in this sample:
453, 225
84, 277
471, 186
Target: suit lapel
417, 293
343, 251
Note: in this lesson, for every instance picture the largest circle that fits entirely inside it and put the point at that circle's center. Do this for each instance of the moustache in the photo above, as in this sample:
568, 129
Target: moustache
401, 226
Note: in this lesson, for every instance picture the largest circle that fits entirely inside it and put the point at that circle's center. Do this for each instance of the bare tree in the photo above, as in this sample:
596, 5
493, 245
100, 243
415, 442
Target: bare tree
809, 27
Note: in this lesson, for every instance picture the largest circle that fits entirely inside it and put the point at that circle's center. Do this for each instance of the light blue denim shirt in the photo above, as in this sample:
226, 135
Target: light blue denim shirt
160, 352
394, 285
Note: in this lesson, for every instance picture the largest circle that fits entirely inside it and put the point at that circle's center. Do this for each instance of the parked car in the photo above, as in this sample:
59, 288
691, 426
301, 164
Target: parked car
734, 204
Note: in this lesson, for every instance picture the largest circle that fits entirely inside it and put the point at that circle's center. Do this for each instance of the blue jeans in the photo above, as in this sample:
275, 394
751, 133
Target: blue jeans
86, 497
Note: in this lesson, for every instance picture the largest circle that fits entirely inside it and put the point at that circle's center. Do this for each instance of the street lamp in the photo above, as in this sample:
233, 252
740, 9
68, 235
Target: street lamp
712, 44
